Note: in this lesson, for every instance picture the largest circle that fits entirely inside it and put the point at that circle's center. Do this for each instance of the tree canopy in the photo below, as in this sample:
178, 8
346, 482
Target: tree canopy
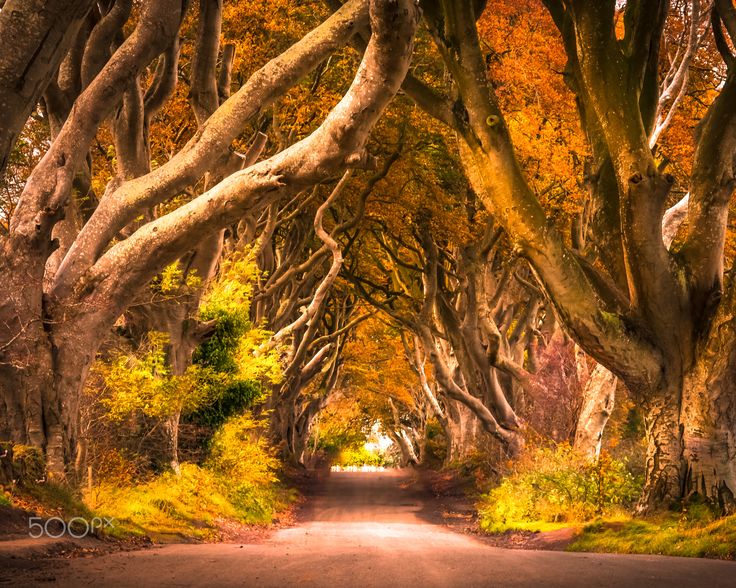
486, 217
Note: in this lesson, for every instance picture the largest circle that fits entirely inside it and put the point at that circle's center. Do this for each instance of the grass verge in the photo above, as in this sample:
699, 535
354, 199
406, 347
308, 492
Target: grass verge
190, 505
671, 534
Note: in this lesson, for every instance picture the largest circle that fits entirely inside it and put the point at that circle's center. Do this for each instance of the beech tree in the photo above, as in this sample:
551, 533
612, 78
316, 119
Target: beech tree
309, 315
474, 326
53, 322
658, 319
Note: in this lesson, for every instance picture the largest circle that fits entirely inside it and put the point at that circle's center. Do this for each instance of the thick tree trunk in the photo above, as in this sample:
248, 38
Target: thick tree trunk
301, 431
26, 382
691, 438
461, 431
664, 461
708, 419
709, 438
283, 429
691, 423
41, 377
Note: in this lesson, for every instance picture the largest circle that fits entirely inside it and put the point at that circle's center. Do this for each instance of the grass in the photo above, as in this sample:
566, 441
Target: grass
47, 499
685, 535
194, 505
554, 488
236, 484
531, 526
190, 505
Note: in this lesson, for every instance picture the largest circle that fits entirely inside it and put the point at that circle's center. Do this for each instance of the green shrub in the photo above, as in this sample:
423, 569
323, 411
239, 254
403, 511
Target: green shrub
238, 396
359, 456
554, 486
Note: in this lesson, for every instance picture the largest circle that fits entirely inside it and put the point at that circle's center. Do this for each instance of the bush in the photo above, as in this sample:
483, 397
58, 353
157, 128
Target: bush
359, 456
554, 486
237, 397
238, 481
240, 455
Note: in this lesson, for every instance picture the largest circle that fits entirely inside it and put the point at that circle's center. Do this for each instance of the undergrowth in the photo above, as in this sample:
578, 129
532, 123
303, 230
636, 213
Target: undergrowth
553, 488
550, 488
238, 481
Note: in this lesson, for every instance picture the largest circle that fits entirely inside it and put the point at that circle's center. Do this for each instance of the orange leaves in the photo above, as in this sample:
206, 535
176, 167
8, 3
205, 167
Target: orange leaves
376, 368
527, 61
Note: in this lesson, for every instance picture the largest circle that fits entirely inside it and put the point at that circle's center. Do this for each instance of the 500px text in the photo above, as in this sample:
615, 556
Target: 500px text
76, 527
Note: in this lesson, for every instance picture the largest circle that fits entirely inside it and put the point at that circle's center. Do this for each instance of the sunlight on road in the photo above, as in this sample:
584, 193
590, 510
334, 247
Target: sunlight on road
353, 468
318, 535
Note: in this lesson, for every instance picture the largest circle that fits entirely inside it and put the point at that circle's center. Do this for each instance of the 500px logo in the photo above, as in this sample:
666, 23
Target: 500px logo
76, 527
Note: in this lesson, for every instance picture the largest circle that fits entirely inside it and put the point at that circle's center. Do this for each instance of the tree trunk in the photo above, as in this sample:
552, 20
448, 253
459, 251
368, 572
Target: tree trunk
691, 424
664, 460
598, 398
41, 378
172, 428
708, 420
6, 463
408, 455
283, 428
23, 374
461, 431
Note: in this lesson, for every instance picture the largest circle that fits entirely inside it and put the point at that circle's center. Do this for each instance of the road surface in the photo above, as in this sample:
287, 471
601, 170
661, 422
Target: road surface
375, 530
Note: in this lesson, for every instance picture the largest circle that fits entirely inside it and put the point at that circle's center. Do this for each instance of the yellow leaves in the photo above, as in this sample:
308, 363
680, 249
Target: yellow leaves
256, 366
232, 290
239, 452
172, 280
228, 301
142, 382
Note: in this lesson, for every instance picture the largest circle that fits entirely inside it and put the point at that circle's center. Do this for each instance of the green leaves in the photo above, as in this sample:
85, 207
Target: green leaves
234, 348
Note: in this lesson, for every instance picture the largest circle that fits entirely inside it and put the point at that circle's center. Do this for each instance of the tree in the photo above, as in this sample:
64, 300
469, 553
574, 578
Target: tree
51, 328
660, 320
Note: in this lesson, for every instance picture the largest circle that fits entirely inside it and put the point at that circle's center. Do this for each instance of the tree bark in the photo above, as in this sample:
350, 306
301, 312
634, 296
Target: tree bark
172, 430
708, 415
598, 399
34, 37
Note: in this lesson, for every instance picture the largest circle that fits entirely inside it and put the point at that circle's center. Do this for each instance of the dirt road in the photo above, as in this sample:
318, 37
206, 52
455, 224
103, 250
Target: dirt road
374, 529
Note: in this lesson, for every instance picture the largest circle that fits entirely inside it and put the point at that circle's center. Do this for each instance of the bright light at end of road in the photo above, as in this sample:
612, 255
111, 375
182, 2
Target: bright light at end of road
353, 468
